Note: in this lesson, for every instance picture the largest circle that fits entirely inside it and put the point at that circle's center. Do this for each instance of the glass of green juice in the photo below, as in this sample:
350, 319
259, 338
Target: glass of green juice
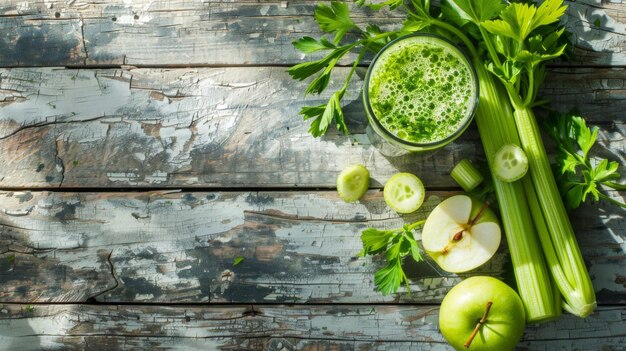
420, 92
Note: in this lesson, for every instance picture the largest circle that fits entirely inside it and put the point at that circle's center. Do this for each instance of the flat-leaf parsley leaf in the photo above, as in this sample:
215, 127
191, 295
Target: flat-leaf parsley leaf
396, 244
580, 176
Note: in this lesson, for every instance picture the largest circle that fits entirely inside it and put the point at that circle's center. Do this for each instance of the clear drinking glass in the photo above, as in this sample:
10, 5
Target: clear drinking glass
420, 92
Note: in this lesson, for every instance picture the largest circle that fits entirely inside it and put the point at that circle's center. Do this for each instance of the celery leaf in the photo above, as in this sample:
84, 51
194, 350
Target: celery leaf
475, 11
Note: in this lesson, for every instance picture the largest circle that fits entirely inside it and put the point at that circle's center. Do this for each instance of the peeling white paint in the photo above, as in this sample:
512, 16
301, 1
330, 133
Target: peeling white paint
177, 138
157, 177
140, 156
144, 297
19, 212
264, 10
82, 99
23, 6
125, 177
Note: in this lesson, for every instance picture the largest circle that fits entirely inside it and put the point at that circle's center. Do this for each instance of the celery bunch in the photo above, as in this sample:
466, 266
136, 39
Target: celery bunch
519, 39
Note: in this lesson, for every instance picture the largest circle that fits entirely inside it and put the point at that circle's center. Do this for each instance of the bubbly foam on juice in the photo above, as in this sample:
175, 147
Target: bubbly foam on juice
422, 89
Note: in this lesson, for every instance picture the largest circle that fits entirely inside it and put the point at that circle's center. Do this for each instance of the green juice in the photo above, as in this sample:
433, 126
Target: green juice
422, 91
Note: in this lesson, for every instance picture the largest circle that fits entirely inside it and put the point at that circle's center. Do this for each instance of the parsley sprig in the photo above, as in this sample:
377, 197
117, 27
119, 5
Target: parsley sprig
396, 244
579, 175
335, 20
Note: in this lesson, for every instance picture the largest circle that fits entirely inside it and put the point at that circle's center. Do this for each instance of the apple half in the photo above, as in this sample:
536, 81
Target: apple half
461, 234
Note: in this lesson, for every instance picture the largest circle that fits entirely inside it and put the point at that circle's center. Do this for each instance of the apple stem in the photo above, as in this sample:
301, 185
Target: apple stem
478, 325
479, 214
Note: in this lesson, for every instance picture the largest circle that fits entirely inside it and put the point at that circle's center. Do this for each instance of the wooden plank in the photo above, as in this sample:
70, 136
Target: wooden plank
286, 328
599, 94
180, 247
216, 127
148, 32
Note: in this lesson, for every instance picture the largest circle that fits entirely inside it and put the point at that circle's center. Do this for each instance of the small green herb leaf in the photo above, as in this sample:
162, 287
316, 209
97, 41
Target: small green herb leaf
389, 278
509, 72
548, 12
309, 45
334, 19
376, 38
395, 244
578, 175
393, 4
319, 84
515, 23
519, 20
304, 70
414, 25
605, 170
238, 260
568, 162
375, 240
597, 23
323, 115
584, 136
475, 11
542, 48
415, 250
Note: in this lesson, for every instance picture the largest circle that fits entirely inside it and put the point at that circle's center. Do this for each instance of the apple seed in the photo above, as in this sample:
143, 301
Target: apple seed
459, 235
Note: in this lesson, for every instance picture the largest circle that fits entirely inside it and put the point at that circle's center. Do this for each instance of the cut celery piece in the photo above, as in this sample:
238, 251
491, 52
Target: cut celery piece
466, 175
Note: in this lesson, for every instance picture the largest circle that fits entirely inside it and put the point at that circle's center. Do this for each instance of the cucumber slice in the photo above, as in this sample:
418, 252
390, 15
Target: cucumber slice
510, 163
404, 192
353, 182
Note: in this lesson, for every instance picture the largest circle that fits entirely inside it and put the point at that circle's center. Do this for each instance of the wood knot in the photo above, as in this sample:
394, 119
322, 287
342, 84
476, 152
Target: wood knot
228, 276
251, 312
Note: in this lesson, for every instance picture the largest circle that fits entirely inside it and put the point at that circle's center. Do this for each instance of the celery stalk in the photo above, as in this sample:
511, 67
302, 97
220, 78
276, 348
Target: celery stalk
496, 127
558, 240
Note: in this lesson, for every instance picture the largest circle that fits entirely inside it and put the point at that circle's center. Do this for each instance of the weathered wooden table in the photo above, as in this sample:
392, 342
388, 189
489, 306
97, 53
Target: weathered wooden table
146, 145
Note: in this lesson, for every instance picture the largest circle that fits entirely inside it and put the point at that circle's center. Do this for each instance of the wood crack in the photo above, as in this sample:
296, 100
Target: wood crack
47, 123
59, 162
93, 299
310, 219
82, 34
29, 251
32, 250
18, 227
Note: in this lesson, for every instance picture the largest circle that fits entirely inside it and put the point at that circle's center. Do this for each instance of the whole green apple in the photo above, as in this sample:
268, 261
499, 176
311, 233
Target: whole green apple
482, 313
